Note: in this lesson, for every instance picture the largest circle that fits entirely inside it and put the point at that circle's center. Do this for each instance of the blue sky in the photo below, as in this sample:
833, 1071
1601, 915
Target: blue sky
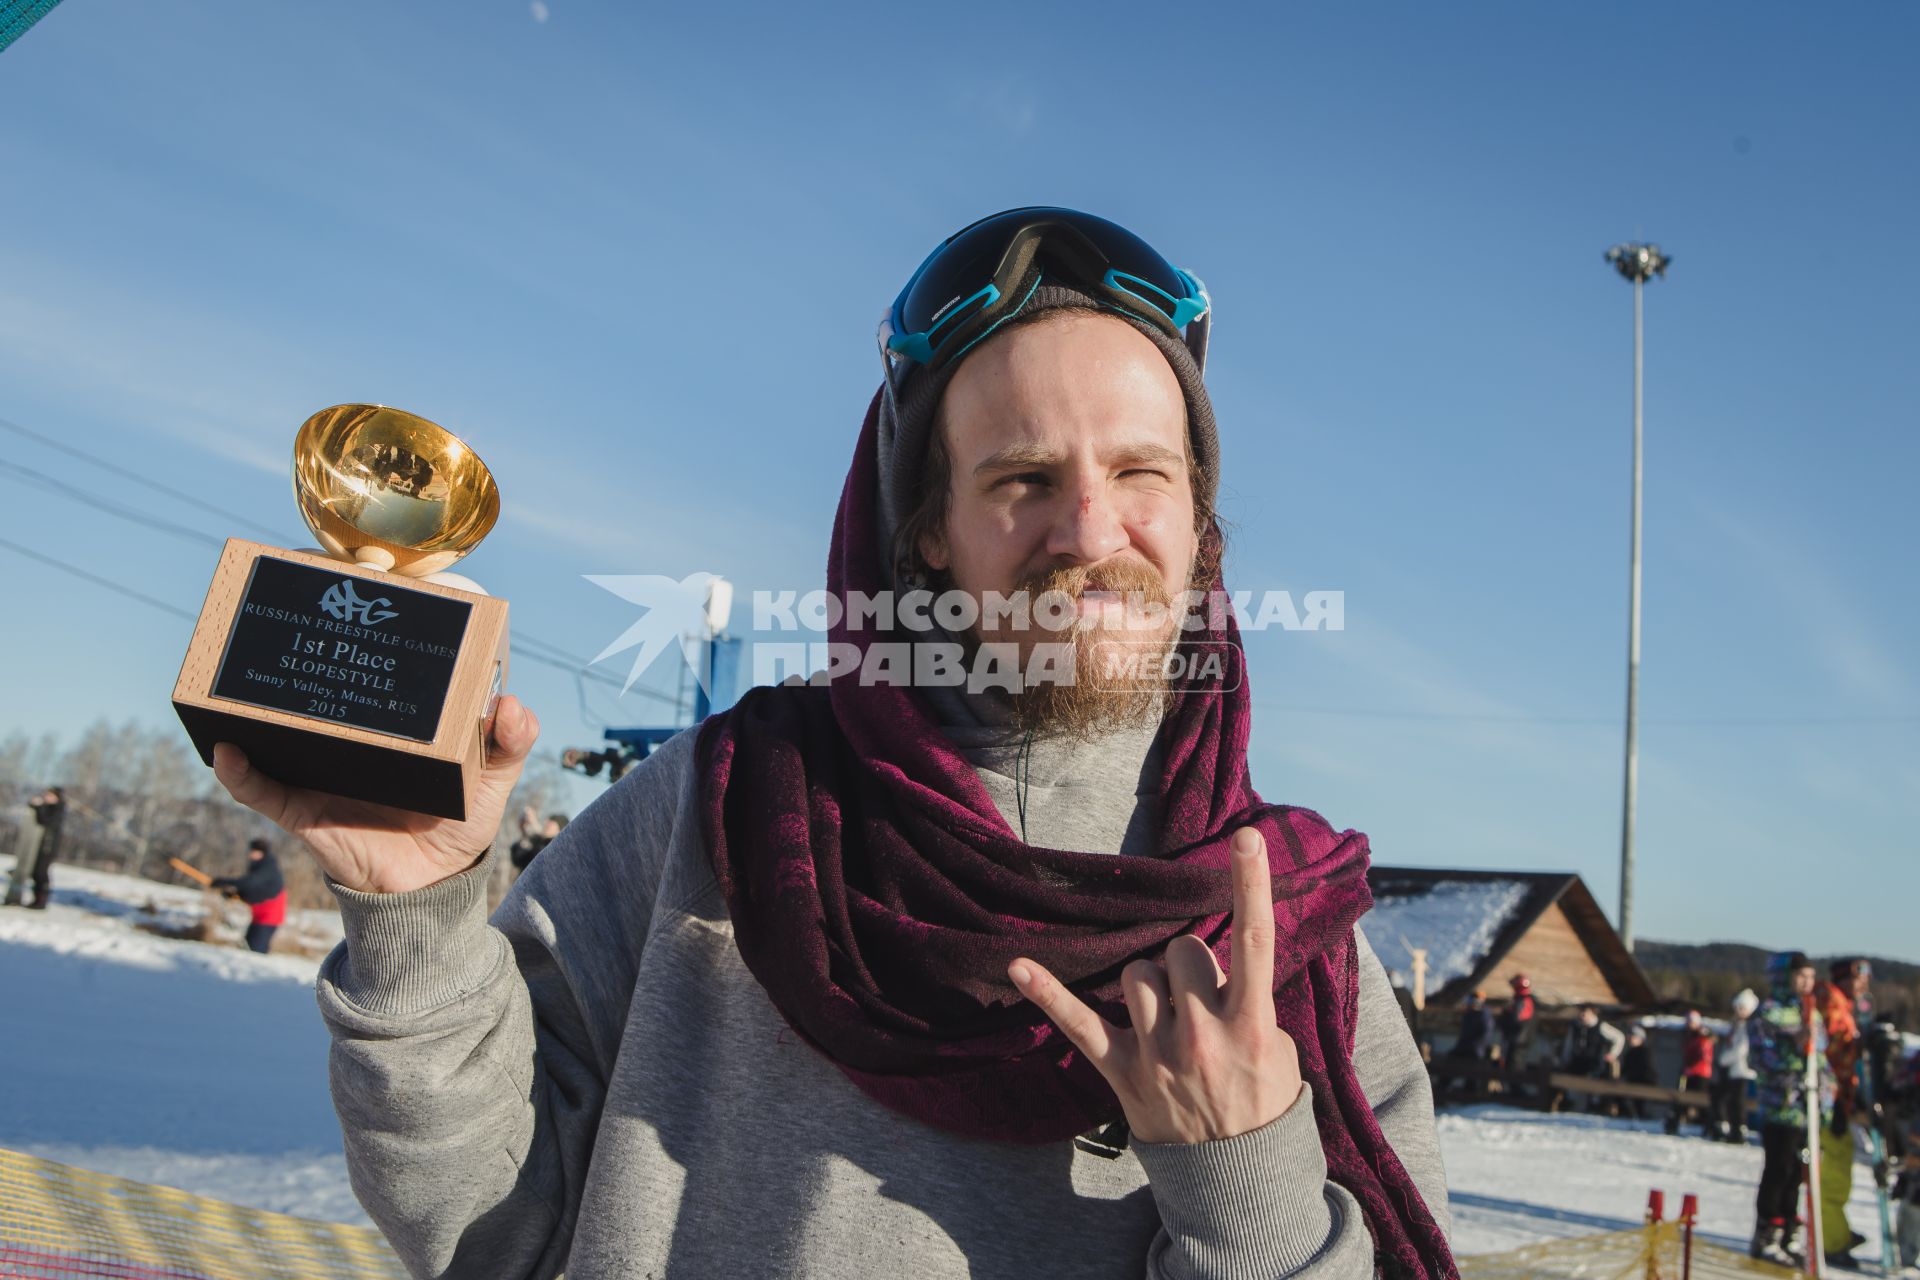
635, 255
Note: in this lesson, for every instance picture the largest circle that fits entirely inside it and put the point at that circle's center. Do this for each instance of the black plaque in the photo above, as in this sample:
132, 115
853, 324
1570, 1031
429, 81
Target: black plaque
342, 649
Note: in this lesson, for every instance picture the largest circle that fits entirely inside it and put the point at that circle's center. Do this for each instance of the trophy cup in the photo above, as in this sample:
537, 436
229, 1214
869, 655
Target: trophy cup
366, 670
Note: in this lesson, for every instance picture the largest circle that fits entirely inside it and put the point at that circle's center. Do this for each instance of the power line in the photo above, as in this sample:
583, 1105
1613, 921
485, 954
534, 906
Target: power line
105, 464
96, 579
65, 490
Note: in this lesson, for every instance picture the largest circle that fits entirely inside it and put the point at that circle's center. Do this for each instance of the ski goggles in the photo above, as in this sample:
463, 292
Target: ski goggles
982, 275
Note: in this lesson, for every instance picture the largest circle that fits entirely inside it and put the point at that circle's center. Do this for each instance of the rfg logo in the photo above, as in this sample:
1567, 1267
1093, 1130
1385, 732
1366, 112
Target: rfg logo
341, 602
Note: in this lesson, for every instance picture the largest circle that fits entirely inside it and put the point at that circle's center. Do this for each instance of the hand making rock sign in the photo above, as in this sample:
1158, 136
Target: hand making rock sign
1204, 1057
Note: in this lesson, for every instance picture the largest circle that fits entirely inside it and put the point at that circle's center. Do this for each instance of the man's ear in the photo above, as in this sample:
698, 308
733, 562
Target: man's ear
933, 549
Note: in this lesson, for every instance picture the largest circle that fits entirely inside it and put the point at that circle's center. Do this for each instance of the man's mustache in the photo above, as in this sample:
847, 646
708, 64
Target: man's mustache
1123, 579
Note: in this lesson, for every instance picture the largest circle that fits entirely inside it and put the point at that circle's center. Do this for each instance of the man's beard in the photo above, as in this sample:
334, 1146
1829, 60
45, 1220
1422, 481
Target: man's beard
1118, 676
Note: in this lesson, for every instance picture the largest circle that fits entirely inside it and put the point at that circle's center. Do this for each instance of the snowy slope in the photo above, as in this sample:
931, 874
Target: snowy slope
194, 1066
204, 1067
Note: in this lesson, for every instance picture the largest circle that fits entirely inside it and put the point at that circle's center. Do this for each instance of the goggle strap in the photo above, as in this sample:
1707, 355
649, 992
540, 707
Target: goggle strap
1016, 309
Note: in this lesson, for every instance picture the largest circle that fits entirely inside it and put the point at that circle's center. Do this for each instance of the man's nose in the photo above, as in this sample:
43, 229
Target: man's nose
1088, 527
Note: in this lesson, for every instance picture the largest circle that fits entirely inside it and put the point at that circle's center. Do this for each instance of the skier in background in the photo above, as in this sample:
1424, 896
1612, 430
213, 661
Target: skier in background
1735, 1073
263, 889
1843, 1001
1696, 1070
1778, 1038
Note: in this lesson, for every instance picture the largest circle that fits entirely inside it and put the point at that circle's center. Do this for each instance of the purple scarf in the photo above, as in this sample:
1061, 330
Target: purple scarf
878, 896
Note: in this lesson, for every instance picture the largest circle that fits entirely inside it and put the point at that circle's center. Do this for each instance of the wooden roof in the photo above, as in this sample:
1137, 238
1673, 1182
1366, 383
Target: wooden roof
1543, 892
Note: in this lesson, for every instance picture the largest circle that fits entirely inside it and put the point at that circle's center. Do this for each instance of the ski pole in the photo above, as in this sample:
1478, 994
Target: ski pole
1809, 1014
187, 869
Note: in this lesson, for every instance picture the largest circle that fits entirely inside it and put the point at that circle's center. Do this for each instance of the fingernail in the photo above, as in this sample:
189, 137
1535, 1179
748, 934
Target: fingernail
1021, 975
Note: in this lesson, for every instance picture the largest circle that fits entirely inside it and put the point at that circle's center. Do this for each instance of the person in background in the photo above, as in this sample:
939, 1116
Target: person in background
1734, 1074
534, 836
1636, 1067
1782, 1032
1476, 1029
1696, 1069
1841, 1001
1906, 1194
49, 810
1476, 1036
263, 889
1517, 1024
1592, 1048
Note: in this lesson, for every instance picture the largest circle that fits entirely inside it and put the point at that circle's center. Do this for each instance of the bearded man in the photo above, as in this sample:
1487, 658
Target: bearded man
881, 978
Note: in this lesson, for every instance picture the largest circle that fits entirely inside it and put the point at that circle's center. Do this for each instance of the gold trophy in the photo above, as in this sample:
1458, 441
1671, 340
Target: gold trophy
365, 669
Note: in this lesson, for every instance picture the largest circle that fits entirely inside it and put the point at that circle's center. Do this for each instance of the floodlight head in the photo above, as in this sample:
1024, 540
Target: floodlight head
1637, 262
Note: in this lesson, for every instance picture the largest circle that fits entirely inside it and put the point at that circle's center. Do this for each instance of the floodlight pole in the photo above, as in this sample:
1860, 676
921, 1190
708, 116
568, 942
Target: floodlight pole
1635, 262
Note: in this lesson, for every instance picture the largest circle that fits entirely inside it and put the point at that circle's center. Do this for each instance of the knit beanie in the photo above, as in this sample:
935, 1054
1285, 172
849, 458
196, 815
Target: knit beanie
906, 425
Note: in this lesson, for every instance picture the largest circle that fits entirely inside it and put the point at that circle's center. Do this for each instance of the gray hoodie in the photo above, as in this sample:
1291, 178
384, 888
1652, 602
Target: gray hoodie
593, 1081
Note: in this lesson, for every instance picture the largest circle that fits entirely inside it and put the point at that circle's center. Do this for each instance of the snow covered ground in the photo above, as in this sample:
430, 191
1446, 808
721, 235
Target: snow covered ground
1518, 1177
204, 1067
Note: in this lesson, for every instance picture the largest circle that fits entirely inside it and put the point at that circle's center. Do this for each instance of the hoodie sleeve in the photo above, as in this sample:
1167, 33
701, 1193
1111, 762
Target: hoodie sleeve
471, 1056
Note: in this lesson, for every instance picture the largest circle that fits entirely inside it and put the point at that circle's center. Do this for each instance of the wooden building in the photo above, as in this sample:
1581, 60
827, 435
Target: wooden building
1480, 928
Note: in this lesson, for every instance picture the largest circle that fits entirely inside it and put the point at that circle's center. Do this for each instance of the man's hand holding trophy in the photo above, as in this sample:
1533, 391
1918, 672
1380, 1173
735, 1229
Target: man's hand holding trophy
352, 693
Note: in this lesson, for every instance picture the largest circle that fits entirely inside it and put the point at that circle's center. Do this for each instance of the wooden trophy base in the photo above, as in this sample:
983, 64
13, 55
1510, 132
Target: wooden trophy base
345, 679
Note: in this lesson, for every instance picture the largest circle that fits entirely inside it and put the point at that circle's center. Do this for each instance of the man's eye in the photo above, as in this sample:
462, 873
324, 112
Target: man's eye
1143, 471
1024, 477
